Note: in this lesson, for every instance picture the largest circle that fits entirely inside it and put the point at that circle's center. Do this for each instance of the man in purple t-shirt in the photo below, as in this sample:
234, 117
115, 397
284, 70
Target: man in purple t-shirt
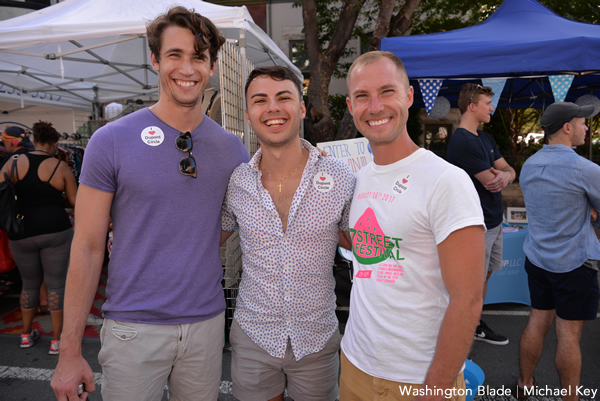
161, 175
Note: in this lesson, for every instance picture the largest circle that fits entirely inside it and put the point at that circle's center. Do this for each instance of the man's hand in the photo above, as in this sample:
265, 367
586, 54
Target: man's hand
594, 215
501, 180
68, 375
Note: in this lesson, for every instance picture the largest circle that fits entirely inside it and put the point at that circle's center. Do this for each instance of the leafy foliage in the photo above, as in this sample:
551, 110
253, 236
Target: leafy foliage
328, 14
446, 15
337, 107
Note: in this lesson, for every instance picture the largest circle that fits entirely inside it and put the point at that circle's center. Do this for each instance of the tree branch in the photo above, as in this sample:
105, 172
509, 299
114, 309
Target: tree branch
383, 23
401, 21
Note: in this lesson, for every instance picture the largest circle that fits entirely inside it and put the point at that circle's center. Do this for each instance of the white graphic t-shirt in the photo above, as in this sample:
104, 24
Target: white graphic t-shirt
399, 214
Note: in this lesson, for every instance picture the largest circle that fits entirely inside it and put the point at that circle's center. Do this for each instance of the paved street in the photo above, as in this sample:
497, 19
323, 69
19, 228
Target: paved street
25, 374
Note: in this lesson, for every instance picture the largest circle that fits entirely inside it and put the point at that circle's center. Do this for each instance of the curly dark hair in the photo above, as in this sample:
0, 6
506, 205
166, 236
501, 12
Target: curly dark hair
45, 133
201, 27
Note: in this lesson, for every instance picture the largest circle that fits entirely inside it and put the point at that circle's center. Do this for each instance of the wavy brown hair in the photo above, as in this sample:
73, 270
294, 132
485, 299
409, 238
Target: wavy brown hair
206, 34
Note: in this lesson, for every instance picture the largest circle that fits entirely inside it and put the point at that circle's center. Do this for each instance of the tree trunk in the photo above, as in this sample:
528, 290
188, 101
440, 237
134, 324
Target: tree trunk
399, 23
322, 64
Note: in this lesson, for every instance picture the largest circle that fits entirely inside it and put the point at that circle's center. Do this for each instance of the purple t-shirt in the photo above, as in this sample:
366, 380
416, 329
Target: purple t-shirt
165, 266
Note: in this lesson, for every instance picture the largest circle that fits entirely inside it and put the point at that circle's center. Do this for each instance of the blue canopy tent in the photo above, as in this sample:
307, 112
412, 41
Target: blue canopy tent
522, 41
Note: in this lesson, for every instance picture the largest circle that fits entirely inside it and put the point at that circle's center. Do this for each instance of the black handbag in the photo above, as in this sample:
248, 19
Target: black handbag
10, 219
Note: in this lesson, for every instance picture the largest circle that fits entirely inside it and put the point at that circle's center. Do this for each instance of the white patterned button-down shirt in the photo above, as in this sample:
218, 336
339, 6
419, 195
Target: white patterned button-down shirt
287, 287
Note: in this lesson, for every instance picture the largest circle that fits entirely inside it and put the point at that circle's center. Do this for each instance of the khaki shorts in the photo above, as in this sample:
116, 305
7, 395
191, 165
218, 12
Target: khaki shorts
138, 360
493, 249
356, 385
258, 376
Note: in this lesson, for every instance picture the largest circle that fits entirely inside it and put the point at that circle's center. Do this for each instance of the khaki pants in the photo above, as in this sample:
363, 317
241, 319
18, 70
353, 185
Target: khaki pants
356, 385
258, 376
138, 360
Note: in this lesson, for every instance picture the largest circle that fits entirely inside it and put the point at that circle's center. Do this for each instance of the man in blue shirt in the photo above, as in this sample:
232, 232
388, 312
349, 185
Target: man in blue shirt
560, 189
475, 151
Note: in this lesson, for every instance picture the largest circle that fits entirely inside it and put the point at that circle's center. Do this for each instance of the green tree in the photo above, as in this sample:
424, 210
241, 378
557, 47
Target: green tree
328, 27
446, 15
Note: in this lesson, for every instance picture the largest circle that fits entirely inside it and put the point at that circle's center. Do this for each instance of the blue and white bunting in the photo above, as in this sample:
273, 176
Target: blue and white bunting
429, 90
560, 86
497, 85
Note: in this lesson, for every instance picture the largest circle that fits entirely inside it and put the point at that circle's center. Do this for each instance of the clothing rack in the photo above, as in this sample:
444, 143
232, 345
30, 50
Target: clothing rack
72, 154
73, 140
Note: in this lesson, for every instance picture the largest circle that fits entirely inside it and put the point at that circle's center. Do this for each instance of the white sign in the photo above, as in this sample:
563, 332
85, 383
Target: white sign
356, 152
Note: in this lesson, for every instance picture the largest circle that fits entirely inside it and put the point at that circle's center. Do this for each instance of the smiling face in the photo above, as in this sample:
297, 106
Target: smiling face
274, 110
483, 108
183, 73
378, 100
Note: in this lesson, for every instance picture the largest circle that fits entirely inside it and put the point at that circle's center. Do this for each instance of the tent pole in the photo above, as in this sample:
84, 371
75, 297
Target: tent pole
242, 44
591, 134
96, 106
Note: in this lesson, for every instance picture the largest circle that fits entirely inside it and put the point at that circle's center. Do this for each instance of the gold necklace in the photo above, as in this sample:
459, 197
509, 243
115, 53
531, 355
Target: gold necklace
289, 175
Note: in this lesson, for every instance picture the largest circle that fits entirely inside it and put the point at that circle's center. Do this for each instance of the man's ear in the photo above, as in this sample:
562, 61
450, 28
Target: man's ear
410, 95
349, 104
155, 64
247, 118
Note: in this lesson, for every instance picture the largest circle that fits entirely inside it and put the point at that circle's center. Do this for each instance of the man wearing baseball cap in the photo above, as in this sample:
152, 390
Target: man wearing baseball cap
560, 189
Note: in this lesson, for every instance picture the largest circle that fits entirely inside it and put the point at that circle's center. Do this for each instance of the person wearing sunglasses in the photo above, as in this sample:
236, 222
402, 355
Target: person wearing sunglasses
289, 204
475, 151
161, 174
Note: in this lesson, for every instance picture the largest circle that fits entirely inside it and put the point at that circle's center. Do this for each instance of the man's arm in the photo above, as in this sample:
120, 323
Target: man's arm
345, 241
462, 257
498, 177
224, 236
92, 211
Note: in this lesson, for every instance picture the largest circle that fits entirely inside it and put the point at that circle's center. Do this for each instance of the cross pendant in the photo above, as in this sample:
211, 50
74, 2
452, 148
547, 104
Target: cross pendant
280, 185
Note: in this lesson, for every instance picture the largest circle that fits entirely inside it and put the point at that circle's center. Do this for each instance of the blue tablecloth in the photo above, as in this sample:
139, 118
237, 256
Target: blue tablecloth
510, 283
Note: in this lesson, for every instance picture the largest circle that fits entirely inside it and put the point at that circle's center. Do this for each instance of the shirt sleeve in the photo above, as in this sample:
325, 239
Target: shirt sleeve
591, 177
98, 167
454, 204
228, 220
344, 224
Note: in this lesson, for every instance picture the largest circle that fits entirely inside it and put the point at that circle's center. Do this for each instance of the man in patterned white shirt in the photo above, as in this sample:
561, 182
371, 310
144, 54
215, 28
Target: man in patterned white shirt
289, 204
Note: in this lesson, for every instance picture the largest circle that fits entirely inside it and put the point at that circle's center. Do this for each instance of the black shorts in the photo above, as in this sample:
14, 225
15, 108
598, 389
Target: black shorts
574, 294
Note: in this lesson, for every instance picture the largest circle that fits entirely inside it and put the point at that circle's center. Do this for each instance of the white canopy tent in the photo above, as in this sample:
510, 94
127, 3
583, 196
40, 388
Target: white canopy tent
79, 54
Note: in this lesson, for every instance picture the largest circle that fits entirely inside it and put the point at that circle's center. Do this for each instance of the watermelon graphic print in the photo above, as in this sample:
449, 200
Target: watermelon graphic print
371, 246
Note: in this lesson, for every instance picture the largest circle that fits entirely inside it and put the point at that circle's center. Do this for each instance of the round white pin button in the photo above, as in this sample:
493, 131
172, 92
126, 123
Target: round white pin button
401, 184
323, 182
153, 136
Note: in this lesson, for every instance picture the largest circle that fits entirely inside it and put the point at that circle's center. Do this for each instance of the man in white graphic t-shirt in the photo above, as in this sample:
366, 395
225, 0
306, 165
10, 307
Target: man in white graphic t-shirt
417, 233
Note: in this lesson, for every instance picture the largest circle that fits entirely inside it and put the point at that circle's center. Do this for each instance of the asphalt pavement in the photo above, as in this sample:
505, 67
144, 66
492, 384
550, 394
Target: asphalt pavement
25, 373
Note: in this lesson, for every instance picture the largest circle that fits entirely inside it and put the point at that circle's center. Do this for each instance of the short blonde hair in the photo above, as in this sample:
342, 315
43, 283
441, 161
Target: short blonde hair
374, 56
